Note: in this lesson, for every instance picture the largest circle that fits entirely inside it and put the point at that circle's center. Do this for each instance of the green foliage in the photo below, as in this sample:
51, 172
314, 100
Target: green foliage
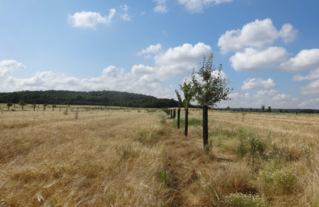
180, 102
245, 200
9, 104
163, 178
279, 182
189, 93
213, 87
102, 98
65, 112
76, 115
22, 104
263, 108
192, 121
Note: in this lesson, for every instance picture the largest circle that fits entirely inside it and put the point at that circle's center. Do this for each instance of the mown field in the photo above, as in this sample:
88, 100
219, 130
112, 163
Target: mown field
97, 156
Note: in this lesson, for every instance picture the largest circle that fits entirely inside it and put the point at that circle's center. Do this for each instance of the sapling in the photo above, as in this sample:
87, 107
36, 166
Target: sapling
210, 90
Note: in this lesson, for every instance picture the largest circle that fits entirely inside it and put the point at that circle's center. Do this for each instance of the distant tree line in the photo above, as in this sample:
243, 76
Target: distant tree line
270, 110
102, 98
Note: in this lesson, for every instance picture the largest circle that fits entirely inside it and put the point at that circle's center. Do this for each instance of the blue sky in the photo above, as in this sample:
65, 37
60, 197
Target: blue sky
269, 49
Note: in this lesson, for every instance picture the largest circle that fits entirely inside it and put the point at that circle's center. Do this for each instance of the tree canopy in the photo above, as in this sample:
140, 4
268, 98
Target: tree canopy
101, 98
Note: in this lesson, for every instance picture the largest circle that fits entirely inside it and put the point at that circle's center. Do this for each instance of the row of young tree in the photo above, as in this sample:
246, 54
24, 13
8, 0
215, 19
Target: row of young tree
22, 104
207, 87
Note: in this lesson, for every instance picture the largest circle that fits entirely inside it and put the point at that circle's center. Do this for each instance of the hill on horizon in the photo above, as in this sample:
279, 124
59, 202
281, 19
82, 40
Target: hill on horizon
104, 98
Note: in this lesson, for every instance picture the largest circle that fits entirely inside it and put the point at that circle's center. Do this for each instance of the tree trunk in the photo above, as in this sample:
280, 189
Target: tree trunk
205, 125
178, 117
186, 122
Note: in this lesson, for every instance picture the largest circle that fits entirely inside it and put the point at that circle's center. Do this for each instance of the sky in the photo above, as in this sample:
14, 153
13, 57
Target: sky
269, 49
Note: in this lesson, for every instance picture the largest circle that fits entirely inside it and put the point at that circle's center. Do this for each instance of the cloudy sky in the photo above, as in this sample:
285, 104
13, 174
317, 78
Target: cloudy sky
269, 48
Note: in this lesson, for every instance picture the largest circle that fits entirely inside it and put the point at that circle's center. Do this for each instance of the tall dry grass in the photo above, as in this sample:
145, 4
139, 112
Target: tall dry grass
127, 157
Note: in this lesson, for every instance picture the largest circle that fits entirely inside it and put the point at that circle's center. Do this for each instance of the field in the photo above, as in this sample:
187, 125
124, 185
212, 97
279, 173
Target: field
98, 156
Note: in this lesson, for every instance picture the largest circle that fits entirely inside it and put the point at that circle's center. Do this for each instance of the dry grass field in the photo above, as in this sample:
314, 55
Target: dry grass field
90, 156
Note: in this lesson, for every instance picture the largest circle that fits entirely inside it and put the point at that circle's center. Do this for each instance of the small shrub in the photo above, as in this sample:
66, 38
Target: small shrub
192, 121
209, 146
242, 148
279, 182
66, 112
247, 200
76, 115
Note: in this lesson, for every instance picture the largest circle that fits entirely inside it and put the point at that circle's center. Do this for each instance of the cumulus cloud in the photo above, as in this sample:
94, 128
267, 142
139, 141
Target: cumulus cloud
288, 33
152, 49
198, 5
251, 59
8, 66
314, 74
180, 61
111, 78
312, 103
311, 88
161, 6
174, 62
90, 19
305, 59
263, 97
142, 69
125, 16
258, 83
214, 74
259, 34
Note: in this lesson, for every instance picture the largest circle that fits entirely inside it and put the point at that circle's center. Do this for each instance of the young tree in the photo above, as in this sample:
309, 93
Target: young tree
9, 104
227, 108
180, 104
262, 108
34, 105
44, 106
269, 109
210, 90
22, 104
53, 106
251, 109
189, 93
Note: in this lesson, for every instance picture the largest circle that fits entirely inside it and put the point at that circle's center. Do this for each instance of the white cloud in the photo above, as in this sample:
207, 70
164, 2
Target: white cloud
90, 19
314, 74
198, 5
8, 66
214, 74
312, 88
125, 16
305, 59
175, 62
312, 103
152, 49
258, 83
161, 6
251, 59
111, 78
180, 61
259, 34
142, 69
287, 33
268, 98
